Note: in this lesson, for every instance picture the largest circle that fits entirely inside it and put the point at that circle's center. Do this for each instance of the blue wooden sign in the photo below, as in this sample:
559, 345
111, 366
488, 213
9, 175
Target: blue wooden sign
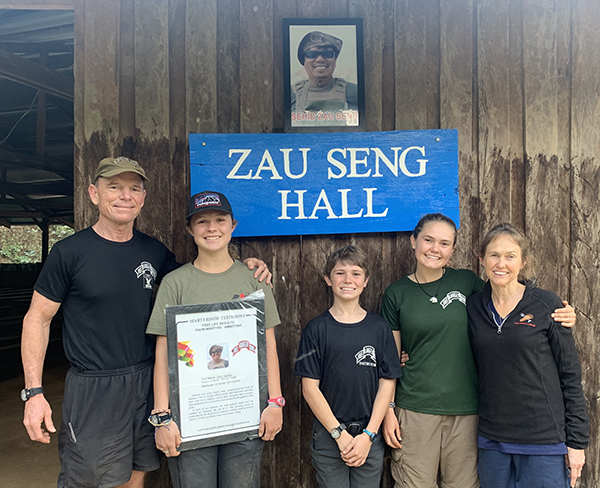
329, 183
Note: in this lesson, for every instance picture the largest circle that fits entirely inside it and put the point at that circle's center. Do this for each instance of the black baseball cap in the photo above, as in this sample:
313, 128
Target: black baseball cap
208, 200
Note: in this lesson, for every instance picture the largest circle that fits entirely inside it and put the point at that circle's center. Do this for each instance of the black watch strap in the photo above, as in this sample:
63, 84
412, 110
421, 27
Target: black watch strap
160, 419
336, 432
27, 393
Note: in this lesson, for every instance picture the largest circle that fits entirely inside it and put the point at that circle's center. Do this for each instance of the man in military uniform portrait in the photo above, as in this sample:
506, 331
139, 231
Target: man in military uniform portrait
322, 99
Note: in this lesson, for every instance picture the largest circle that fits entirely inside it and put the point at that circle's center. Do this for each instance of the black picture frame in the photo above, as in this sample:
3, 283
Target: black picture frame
336, 107
178, 316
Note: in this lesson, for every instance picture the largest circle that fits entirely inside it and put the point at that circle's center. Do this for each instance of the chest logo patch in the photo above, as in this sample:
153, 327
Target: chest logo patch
525, 320
451, 296
366, 357
148, 274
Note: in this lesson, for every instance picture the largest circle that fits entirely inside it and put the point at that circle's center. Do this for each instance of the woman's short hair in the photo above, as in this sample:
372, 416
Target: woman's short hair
215, 348
521, 240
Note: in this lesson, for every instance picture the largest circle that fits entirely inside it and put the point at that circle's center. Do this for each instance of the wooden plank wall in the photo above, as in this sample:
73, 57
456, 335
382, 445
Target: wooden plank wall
518, 79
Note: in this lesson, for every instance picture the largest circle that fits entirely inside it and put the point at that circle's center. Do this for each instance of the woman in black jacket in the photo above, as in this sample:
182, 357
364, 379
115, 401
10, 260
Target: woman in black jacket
532, 413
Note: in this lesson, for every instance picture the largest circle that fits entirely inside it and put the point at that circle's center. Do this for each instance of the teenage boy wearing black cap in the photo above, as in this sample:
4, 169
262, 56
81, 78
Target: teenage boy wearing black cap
214, 276
103, 277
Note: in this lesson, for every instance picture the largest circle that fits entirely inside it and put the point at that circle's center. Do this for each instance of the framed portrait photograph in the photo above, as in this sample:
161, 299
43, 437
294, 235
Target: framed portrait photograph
217, 370
323, 75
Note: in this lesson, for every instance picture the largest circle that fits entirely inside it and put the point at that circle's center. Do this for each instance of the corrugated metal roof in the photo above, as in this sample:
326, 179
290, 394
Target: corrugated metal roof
36, 187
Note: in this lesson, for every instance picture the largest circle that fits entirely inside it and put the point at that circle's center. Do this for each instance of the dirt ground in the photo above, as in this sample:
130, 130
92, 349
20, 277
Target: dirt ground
26, 463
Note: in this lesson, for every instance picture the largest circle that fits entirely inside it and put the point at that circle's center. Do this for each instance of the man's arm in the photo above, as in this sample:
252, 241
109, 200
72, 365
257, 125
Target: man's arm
271, 419
34, 342
262, 271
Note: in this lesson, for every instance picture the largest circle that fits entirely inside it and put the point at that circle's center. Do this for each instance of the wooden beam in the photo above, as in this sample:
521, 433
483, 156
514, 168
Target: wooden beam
38, 5
45, 238
53, 203
498, 105
63, 105
256, 34
412, 95
16, 214
201, 66
44, 188
584, 217
457, 112
372, 13
61, 167
35, 75
40, 136
61, 221
546, 205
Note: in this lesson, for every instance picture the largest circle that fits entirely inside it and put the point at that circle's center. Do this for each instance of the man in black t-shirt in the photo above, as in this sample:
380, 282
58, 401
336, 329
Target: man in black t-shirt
103, 277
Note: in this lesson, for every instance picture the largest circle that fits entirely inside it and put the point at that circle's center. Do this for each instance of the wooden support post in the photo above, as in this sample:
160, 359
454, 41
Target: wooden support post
45, 238
40, 135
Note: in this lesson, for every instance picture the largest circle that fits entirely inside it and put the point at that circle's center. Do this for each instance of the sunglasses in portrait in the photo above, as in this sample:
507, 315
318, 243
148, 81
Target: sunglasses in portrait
326, 53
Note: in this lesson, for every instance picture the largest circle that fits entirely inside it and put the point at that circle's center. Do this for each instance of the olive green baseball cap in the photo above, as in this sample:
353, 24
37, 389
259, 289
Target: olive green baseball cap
115, 166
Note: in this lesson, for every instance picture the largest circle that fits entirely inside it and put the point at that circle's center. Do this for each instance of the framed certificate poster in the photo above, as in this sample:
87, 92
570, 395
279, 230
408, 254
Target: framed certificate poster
217, 370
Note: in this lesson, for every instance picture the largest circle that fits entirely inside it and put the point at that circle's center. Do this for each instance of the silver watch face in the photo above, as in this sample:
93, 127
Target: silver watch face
336, 433
24, 396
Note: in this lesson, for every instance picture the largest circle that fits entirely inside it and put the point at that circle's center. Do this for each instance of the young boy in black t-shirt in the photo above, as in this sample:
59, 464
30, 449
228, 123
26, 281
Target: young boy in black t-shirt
349, 364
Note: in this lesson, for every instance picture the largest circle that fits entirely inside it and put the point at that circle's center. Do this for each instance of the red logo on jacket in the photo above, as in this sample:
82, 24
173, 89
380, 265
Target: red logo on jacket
525, 320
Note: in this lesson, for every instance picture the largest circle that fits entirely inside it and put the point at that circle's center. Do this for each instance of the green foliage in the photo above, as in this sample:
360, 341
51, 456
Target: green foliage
23, 244
58, 233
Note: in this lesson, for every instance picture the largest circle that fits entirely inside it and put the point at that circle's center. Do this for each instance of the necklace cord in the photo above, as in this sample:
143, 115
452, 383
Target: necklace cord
432, 298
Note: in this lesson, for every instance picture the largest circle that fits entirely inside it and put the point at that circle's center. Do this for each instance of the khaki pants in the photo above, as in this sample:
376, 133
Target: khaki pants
436, 449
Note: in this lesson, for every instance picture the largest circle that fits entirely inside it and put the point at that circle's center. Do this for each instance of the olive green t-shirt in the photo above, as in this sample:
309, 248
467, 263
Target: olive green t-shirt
190, 286
440, 377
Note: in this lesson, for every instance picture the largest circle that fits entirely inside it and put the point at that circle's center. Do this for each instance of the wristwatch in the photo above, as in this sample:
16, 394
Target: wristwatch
27, 393
160, 419
336, 432
372, 435
276, 402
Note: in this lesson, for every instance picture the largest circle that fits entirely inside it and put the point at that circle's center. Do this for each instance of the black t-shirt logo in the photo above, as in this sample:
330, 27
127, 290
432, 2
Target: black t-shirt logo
366, 356
148, 274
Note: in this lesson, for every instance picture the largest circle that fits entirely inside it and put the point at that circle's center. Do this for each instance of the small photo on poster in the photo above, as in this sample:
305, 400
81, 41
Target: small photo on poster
218, 357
